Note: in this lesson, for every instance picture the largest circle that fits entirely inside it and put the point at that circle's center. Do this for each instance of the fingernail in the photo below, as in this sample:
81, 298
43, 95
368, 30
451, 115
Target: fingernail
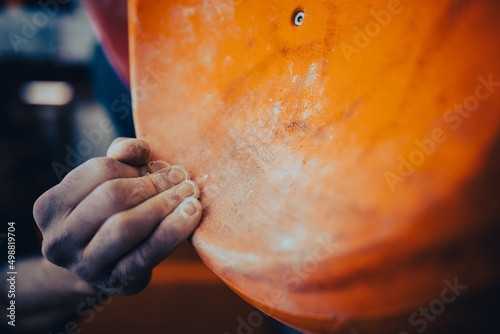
156, 166
186, 189
188, 208
161, 181
177, 175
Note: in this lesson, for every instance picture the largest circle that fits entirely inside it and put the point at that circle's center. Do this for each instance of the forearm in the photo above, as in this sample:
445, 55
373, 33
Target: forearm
46, 296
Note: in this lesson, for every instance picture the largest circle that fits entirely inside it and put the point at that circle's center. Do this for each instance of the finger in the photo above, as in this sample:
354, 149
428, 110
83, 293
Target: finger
64, 242
124, 230
63, 198
155, 166
135, 152
169, 234
118, 195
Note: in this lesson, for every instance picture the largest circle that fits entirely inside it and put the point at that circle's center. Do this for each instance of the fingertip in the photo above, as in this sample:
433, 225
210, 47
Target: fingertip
188, 189
188, 215
135, 152
191, 209
156, 166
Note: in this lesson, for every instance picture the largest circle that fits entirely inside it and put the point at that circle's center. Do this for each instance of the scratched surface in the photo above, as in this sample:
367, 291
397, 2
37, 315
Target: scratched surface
304, 139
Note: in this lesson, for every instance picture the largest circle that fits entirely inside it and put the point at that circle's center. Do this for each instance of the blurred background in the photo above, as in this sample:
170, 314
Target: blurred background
61, 103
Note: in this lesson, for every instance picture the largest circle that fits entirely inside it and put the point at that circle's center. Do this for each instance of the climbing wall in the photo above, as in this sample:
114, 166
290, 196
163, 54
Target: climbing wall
341, 147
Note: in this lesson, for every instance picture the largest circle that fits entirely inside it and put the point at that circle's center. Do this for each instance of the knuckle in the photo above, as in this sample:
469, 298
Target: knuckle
156, 212
102, 165
140, 191
170, 199
44, 209
122, 227
112, 191
136, 265
54, 250
89, 273
113, 187
49, 207
124, 192
142, 260
46, 250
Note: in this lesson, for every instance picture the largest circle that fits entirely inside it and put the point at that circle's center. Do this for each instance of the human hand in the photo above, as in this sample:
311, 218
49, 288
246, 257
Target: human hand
112, 220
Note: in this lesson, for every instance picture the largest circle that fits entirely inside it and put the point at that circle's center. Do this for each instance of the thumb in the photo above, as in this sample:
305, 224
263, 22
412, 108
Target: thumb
135, 152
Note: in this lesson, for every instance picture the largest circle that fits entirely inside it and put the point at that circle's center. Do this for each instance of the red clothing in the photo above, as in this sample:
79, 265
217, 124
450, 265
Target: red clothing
109, 19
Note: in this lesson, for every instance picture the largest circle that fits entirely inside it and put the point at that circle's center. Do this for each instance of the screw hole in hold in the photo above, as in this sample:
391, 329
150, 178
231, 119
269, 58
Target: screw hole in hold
298, 17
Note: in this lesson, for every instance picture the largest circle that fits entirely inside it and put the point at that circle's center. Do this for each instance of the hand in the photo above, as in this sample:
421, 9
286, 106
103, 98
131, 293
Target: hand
112, 220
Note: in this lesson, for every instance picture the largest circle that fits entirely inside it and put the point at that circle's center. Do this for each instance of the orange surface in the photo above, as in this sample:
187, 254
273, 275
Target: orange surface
345, 131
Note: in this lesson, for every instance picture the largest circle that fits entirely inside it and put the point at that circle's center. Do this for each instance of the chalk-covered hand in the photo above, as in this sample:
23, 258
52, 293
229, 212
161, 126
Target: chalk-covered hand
112, 220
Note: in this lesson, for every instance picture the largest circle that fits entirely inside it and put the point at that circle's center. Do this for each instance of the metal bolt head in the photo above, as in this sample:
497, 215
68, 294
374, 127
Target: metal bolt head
299, 18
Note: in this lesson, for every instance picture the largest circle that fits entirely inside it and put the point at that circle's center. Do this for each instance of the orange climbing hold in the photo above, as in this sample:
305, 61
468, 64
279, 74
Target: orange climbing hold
348, 155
